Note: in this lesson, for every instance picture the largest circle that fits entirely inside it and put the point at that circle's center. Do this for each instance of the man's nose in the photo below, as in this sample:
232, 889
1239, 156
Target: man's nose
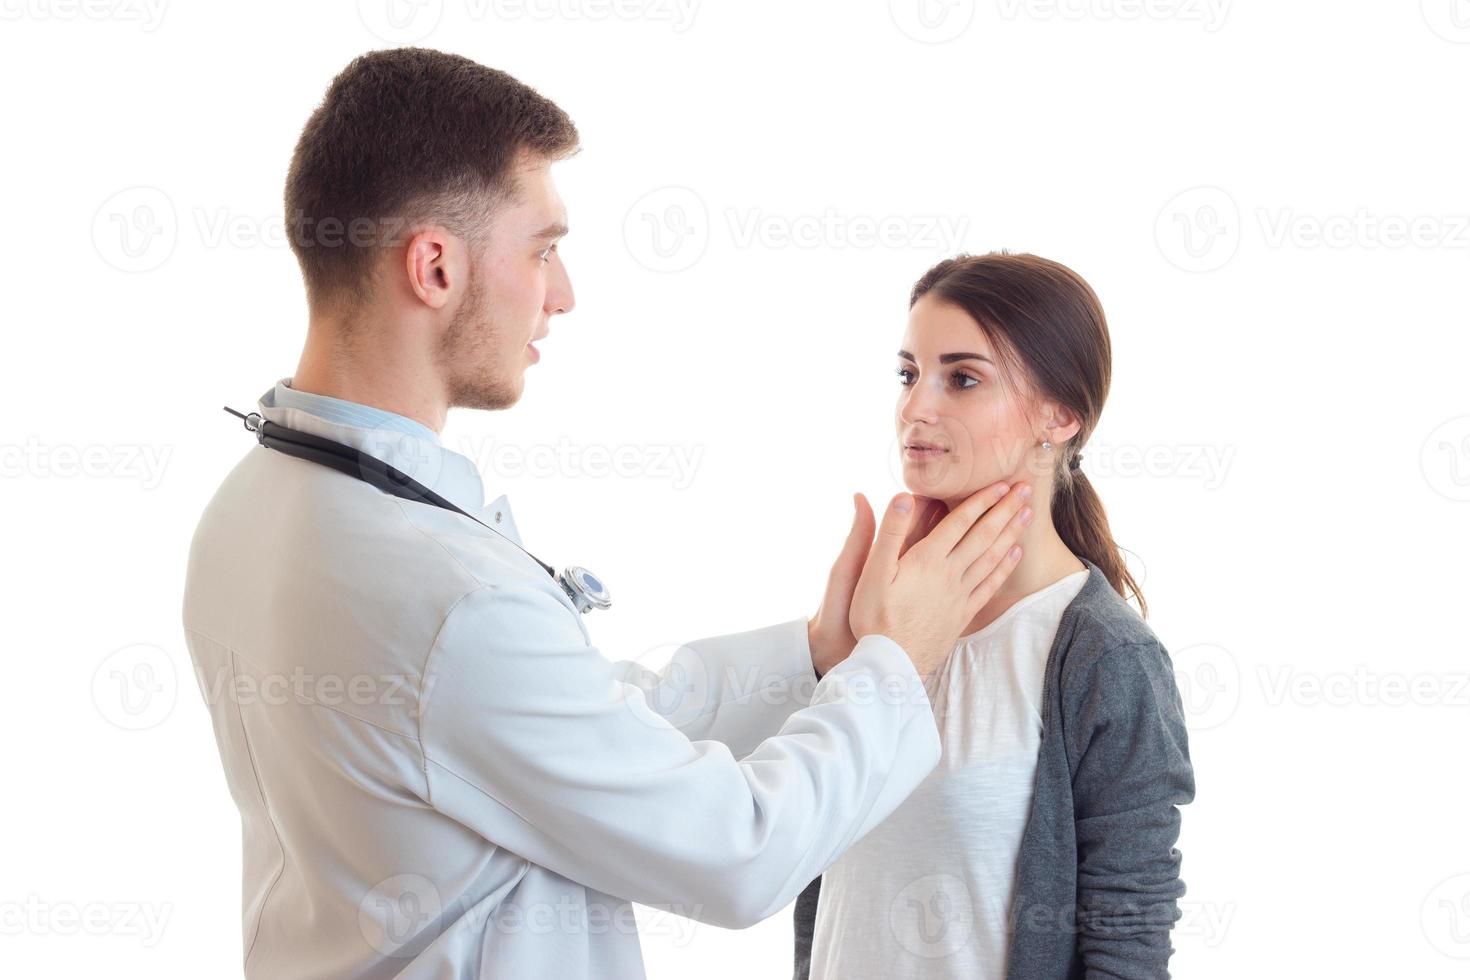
559, 298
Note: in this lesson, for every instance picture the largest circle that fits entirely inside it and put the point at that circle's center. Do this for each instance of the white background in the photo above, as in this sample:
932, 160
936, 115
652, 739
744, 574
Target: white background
1269, 196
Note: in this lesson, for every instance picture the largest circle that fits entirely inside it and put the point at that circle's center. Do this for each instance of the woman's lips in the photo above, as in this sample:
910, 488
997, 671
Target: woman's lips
535, 354
923, 452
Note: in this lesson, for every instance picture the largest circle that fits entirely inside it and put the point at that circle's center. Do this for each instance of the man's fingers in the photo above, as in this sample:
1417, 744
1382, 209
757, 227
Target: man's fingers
994, 556
994, 533
930, 513
987, 587
891, 533
963, 517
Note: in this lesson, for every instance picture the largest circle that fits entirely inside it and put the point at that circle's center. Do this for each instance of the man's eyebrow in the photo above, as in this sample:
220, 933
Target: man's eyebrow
951, 358
554, 230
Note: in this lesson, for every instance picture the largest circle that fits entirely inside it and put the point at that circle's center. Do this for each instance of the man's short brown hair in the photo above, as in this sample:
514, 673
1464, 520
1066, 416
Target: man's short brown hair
405, 137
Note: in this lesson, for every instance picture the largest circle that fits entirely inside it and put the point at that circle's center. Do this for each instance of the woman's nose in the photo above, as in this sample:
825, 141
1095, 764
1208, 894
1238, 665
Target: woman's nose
918, 404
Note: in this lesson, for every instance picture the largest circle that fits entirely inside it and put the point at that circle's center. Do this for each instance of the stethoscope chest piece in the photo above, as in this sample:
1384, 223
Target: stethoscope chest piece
584, 589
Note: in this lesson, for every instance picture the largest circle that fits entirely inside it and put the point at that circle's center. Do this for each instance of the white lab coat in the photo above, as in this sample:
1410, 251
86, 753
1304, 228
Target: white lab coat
438, 775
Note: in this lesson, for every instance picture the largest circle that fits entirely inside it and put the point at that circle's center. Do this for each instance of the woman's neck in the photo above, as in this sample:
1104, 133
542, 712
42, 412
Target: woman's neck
1045, 560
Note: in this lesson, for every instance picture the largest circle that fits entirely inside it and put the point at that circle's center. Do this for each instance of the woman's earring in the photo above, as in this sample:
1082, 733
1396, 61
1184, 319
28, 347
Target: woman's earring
1046, 444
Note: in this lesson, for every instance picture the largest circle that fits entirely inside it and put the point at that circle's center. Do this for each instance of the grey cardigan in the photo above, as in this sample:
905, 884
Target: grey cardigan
1097, 878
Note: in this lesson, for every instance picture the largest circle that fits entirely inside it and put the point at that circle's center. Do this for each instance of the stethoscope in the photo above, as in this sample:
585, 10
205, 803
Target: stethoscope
584, 589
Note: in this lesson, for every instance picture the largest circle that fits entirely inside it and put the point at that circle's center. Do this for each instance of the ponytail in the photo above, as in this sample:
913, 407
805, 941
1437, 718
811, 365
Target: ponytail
1082, 524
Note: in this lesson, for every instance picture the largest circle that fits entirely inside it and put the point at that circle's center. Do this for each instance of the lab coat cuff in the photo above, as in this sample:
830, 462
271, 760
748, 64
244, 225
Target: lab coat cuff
878, 671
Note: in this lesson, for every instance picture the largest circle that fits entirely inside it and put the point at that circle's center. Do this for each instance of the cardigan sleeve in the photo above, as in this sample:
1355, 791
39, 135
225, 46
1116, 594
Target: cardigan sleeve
1129, 753
804, 926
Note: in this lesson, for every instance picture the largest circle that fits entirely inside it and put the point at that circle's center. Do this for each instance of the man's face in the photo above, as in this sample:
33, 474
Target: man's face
517, 283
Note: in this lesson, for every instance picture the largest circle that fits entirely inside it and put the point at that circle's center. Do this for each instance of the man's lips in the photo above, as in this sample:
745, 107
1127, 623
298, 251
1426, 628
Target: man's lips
531, 346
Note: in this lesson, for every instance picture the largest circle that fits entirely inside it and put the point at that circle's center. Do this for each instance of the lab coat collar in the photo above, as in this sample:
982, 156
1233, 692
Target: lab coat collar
442, 470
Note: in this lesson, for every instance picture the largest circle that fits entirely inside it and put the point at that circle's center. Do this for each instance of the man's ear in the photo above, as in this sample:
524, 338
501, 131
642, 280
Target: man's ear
437, 264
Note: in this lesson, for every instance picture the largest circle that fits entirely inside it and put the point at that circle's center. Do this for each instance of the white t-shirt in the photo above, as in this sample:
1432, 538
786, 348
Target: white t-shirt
927, 892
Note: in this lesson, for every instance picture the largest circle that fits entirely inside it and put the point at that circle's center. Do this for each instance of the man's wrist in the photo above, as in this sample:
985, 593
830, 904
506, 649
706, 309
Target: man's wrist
811, 646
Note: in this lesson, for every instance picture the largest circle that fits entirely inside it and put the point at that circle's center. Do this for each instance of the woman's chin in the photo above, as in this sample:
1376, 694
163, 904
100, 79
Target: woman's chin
932, 477
916, 484
951, 491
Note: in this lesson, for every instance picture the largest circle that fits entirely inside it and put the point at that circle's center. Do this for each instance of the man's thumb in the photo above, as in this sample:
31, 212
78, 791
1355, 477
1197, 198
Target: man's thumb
859, 539
892, 531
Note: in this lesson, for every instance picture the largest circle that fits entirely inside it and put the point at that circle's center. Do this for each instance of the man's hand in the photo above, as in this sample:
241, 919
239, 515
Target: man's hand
924, 598
829, 633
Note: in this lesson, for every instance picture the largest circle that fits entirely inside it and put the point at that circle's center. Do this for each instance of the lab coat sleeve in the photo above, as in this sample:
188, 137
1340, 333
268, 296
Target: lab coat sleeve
530, 739
737, 689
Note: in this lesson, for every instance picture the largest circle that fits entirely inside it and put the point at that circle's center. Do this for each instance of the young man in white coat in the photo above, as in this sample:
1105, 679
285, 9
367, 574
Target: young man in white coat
438, 774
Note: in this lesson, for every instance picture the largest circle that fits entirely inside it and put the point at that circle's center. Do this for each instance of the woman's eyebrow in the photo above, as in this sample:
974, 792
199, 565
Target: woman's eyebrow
950, 358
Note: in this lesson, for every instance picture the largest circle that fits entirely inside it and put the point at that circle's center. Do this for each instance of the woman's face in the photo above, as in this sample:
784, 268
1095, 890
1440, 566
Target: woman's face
961, 424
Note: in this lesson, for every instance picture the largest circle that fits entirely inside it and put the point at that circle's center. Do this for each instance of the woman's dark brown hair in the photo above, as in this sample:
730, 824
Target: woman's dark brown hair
1047, 326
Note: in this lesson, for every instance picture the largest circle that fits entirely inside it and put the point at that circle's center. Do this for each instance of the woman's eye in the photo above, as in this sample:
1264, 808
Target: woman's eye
905, 377
962, 380
546, 255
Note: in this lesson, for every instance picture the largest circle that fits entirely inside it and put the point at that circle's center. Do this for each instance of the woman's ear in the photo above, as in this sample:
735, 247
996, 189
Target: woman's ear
1061, 423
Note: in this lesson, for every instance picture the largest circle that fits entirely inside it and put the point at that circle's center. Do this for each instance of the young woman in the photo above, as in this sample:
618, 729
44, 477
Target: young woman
1042, 847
